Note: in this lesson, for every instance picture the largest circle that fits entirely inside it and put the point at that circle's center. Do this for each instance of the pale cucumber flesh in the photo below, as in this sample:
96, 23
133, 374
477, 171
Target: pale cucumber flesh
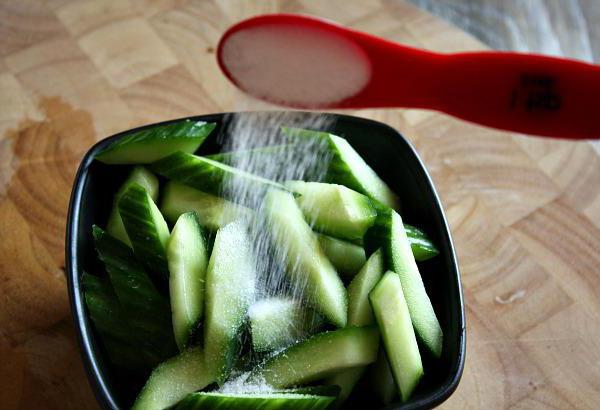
347, 257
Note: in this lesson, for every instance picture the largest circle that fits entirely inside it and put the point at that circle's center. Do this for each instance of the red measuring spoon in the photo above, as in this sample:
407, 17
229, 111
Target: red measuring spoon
307, 62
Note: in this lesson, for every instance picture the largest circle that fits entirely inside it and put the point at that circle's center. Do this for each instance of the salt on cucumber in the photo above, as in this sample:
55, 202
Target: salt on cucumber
254, 156
213, 212
320, 356
229, 290
210, 176
278, 322
348, 168
347, 257
257, 401
174, 379
307, 265
389, 234
359, 314
152, 143
139, 175
394, 320
187, 253
146, 228
147, 312
334, 209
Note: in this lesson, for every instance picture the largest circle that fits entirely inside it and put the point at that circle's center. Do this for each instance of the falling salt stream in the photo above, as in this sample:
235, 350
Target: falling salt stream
307, 159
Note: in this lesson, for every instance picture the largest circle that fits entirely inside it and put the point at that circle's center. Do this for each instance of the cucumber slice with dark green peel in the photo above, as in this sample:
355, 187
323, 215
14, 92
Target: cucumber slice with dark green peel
146, 179
381, 380
147, 312
230, 283
394, 320
389, 234
322, 390
109, 320
421, 245
270, 401
348, 168
334, 209
187, 253
278, 322
307, 266
209, 176
359, 314
346, 257
213, 212
154, 143
174, 379
320, 356
146, 229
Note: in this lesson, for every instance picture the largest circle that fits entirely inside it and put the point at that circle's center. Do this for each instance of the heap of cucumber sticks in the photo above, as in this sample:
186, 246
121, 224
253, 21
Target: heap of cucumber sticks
178, 299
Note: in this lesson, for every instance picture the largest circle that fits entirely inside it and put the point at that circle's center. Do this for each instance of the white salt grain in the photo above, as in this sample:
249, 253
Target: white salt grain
307, 67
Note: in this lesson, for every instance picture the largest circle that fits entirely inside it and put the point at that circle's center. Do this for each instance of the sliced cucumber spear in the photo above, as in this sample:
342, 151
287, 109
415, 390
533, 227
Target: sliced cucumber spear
307, 266
230, 283
347, 257
146, 310
394, 320
389, 234
146, 229
254, 156
209, 176
187, 253
348, 168
174, 379
154, 143
139, 175
213, 211
381, 380
320, 356
109, 320
271, 401
334, 209
421, 245
359, 314
278, 322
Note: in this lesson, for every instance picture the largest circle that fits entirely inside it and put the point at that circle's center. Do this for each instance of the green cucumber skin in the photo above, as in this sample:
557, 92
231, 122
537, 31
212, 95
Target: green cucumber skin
109, 320
339, 172
147, 312
154, 143
187, 253
229, 290
146, 179
209, 176
146, 228
389, 234
347, 258
213, 212
323, 355
398, 335
307, 264
422, 247
223, 401
175, 379
254, 155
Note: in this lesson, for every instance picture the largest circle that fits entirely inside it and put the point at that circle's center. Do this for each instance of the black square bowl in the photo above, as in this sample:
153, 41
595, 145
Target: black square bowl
392, 157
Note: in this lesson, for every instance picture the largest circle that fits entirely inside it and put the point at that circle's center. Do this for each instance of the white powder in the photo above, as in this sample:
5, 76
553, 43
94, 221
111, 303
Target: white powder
307, 67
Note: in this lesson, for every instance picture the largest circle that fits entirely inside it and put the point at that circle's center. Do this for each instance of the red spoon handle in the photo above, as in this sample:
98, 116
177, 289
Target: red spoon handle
524, 93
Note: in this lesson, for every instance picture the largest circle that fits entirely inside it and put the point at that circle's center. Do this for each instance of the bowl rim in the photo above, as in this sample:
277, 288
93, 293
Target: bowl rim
73, 268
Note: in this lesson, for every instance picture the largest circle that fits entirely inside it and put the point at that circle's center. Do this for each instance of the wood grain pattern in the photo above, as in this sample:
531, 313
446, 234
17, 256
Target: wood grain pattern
524, 212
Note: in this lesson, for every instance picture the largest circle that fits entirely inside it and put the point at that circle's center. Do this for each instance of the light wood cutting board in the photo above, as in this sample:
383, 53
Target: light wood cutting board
525, 213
